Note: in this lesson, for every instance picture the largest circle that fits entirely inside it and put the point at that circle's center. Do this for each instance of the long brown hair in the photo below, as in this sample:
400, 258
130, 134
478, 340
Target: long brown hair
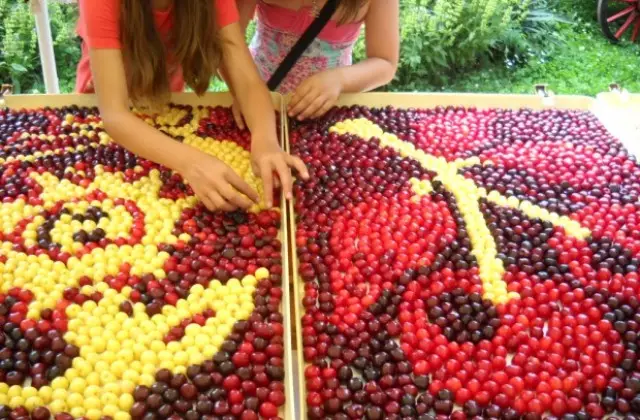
195, 44
349, 10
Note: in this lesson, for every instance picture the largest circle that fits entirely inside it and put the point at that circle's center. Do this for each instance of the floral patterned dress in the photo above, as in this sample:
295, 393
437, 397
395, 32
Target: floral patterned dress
277, 31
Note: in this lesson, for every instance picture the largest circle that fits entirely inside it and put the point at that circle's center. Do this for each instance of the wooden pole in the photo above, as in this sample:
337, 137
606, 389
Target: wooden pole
45, 44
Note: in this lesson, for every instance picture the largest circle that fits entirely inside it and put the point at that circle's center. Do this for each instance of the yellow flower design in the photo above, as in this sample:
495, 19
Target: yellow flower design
467, 195
128, 220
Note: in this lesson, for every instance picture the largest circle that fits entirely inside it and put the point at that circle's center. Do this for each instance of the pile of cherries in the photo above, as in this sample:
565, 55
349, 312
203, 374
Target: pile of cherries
245, 378
395, 323
242, 381
29, 349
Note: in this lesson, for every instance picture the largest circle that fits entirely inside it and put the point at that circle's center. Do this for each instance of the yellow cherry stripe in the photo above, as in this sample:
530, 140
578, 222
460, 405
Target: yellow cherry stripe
99, 139
467, 196
571, 227
421, 186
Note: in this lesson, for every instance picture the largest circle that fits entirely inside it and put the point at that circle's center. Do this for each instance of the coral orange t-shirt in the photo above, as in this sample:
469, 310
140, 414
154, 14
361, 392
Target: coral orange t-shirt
99, 28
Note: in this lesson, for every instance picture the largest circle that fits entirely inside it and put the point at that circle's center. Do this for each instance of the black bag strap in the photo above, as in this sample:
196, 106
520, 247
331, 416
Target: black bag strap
303, 43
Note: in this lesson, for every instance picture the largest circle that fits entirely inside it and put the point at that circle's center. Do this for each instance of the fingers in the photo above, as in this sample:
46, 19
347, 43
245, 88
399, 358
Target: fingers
204, 198
255, 168
299, 93
240, 185
302, 105
207, 202
219, 202
299, 166
232, 196
323, 109
312, 107
295, 108
237, 116
225, 199
284, 173
267, 180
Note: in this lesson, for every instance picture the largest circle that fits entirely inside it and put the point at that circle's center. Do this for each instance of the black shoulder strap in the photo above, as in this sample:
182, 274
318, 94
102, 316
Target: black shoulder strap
303, 43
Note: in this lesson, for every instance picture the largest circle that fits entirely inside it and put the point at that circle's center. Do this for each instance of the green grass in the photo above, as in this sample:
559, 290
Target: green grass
585, 64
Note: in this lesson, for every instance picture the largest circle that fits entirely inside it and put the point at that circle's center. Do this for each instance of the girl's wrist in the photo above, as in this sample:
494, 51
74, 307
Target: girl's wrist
186, 159
261, 140
265, 132
340, 77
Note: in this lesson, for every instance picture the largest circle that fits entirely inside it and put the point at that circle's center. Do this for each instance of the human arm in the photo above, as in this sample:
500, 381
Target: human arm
212, 181
246, 10
257, 108
317, 94
217, 185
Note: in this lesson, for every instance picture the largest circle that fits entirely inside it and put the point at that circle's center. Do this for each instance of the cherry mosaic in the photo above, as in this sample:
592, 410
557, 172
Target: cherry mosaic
121, 296
468, 264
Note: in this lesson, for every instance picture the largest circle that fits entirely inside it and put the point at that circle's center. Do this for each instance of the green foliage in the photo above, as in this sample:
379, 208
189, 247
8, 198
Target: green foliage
586, 65
251, 30
19, 55
585, 10
19, 45
443, 38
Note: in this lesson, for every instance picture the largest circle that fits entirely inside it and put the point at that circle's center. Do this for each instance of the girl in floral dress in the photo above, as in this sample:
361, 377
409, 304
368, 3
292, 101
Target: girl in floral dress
325, 70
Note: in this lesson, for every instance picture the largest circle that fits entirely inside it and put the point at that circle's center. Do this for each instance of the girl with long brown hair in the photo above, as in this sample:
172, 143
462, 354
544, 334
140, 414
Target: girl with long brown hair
141, 50
325, 70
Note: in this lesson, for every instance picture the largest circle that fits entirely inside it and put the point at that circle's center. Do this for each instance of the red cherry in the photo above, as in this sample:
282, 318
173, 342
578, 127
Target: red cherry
268, 409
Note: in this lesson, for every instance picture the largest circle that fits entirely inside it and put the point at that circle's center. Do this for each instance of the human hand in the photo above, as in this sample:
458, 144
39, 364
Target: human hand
268, 157
316, 95
217, 185
237, 115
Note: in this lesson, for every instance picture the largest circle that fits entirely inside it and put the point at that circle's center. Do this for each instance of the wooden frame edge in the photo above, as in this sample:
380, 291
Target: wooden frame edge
184, 98
297, 310
289, 410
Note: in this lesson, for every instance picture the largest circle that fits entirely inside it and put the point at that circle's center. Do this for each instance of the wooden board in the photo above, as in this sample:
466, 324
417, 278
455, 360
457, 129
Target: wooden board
294, 305
478, 100
38, 101
209, 99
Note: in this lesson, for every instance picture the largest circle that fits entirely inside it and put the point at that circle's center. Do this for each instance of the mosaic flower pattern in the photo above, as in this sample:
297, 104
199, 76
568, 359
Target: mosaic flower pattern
462, 263
121, 296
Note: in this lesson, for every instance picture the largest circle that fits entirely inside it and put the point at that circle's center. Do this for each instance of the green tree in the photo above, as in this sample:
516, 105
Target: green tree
19, 55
